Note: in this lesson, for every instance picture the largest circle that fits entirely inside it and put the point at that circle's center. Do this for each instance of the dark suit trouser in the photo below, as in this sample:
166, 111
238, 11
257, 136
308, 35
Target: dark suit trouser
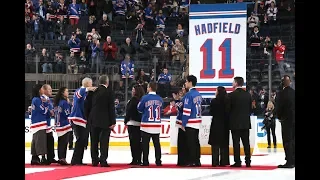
145, 146
80, 133
102, 136
288, 140
193, 144
220, 155
87, 136
135, 142
50, 146
182, 148
271, 130
63, 145
70, 140
242, 134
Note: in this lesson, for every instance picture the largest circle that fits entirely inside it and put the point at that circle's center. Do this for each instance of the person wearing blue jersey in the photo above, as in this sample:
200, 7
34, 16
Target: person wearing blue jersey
47, 93
191, 120
74, 12
78, 121
182, 141
150, 106
62, 110
38, 127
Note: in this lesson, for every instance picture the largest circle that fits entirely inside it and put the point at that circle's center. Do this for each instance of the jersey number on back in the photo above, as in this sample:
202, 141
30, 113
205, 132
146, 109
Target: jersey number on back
154, 114
208, 72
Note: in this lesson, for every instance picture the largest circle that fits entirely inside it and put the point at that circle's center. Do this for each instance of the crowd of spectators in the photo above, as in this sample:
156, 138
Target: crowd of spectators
124, 37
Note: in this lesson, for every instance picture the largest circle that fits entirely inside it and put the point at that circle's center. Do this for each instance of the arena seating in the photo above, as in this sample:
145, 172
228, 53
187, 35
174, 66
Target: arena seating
257, 62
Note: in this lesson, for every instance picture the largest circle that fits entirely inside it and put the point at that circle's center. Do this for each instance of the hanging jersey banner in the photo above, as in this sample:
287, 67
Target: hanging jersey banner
217, 35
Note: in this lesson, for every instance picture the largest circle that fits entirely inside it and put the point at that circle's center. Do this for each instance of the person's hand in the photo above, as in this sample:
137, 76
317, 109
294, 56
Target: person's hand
183, 129
91, 88
112, 126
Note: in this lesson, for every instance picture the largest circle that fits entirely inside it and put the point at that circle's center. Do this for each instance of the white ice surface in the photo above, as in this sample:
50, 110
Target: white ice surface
122, 155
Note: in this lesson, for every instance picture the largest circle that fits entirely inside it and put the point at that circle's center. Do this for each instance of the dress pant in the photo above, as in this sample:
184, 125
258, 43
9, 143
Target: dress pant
145, 146
193, 144
39, 143
63, 145
271, 130
70, 140
102, 136
50, 147
288, 140
87, 136
242, 134
80, 133
182, 148
135, 142
220, 155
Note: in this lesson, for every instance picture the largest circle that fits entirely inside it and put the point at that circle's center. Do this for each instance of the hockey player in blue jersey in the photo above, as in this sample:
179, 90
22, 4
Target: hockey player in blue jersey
62, 110
191, 120
38, 127
78, 122
150, 106
47, 93
182, 140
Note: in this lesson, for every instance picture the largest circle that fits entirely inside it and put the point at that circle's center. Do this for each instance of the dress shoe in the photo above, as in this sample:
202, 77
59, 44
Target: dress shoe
104, 164
62, 162
288, 166
78, 164
53, 161
194, 165
44, 161
236, 165
214, 165
35, 162
134, 163
248, 164
269, 146
144, 164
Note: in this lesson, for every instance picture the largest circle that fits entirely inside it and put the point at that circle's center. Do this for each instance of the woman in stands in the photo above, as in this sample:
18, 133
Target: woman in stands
133, 120
62, 110
38, 127
219, 132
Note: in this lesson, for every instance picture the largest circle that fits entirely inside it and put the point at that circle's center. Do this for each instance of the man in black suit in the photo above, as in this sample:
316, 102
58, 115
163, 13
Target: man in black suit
87, 109
240, 108
285, 110
102, 120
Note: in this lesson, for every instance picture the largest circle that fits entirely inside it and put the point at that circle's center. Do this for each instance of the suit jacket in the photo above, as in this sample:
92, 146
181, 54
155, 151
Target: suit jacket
219, 128
239, 108
132, 111
88, 105
285, 106
102, 113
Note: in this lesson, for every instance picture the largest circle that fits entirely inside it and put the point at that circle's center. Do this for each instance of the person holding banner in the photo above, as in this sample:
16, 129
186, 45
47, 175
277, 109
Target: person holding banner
240, 108
191, 120
62, 110
219, 130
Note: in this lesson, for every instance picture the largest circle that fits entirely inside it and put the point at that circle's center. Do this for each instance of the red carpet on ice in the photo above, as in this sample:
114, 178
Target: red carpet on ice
63, 172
